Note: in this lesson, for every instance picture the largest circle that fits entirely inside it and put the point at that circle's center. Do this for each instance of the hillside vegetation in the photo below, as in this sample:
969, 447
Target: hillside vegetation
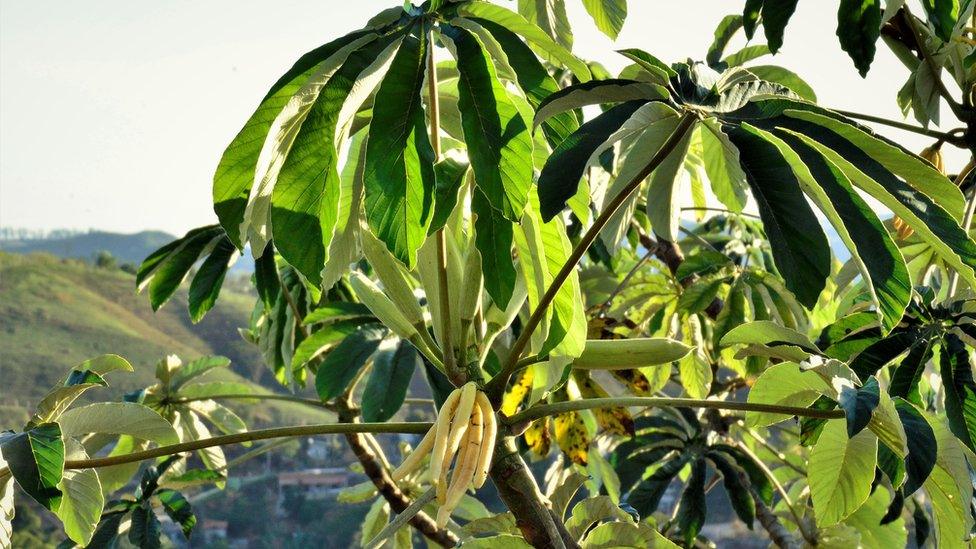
56, 312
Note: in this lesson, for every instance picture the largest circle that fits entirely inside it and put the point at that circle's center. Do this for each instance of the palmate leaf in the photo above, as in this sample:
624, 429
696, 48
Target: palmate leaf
799, 244
166, 268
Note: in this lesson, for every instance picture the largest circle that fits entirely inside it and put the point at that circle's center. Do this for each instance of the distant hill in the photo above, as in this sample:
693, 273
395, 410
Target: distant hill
127, 248
56, 312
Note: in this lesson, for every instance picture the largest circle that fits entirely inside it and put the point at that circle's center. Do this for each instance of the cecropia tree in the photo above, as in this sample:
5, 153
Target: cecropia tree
633, 268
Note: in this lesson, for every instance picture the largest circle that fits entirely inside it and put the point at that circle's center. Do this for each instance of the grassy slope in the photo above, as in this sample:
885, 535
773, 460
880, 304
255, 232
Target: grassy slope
55, 313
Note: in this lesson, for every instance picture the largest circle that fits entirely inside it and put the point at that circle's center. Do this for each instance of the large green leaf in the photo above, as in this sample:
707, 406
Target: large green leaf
662, 121
235, 174
164, 270
118, 418
306, 196
871, 247
736, 482
496, 133
960, 389
398, 175
840, 472
533, 78
922, 446
785, 384
81, 506
785, 77
914, 191
341, 366
875, 532
344, 248
663, 196
553, 21
493, 237
775, 15
692, 509
908, 373
560, 176
595, 92
950, 488
145, 529
725, 174
388, 380
800, 247
858, 28
36, 461
206, 284
609, 15
195, 368
943, 15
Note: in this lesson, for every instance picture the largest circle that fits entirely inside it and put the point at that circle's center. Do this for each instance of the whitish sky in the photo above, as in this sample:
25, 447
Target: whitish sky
113, 113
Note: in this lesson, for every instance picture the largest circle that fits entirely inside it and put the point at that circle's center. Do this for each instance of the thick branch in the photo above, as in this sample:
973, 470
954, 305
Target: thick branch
543, 410
249, 436
387, 487
496, 387
518, 490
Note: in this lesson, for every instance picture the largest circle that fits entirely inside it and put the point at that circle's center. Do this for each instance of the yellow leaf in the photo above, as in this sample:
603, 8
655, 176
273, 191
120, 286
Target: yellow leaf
520, 389
572, 437
538, 437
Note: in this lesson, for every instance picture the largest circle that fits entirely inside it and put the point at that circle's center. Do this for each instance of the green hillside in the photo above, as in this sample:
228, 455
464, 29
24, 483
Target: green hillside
55, 313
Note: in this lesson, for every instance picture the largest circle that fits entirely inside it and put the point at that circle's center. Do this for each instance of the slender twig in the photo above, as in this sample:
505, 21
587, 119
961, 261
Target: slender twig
258, 396
260, 434
699, 239
626, 280
950, 137
720, 210
812, 538
776, 453
496, 386
291, 303
542, 410
935, 69
967, 220
402, 519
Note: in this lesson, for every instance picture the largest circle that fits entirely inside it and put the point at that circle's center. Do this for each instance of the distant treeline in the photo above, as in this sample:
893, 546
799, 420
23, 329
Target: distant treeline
17, 233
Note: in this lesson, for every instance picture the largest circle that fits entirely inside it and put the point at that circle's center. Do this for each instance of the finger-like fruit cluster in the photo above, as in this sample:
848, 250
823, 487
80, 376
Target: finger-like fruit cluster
464, 434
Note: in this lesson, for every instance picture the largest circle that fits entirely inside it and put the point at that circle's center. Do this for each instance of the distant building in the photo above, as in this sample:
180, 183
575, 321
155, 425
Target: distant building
317, 483
213, 530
